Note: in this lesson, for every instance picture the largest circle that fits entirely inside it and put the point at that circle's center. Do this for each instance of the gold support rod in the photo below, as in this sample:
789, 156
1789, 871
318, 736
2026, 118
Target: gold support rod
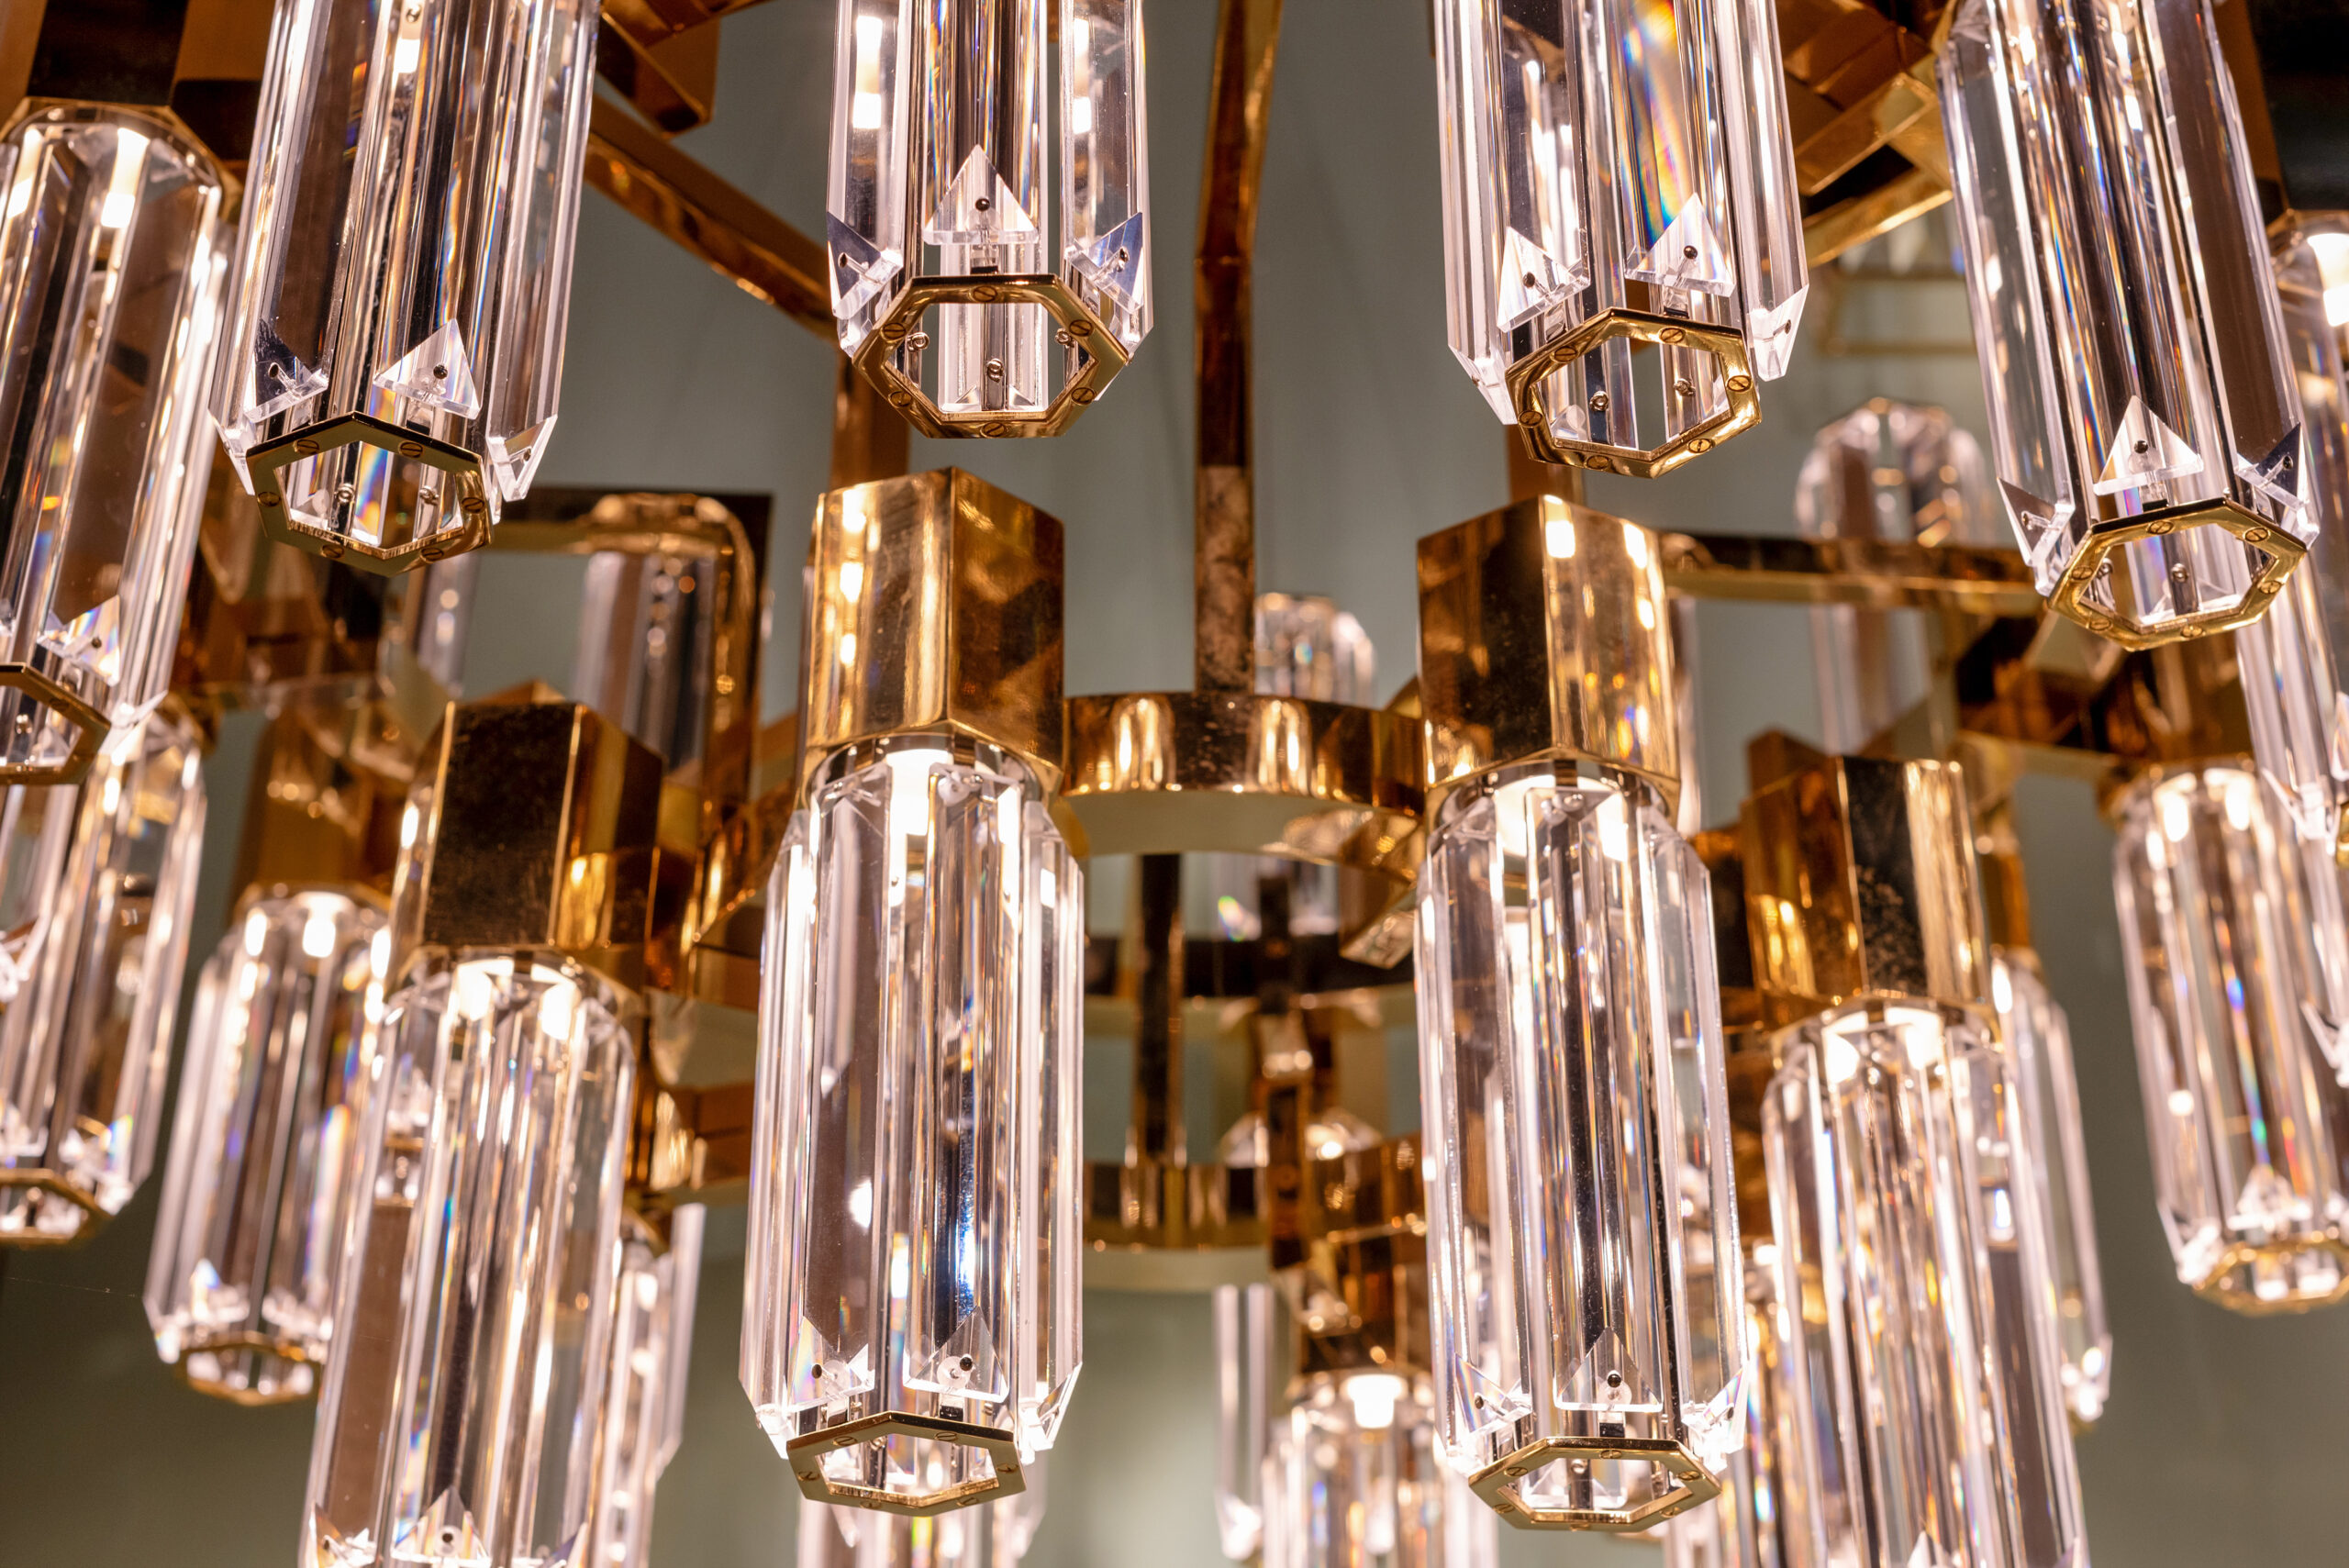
1224, 551
767, 258
870, 441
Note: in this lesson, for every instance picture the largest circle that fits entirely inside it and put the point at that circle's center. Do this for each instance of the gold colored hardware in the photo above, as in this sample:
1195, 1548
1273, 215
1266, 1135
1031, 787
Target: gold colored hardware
269, 461
1543, 638
1860, 84
669, 76
534, 828
1097, 356
317, 814
1741, 411
88, 726
765, 257
1499, 1483
1860, 882
196, 67
804, 1453
2281, 552
1875, 574
933, 608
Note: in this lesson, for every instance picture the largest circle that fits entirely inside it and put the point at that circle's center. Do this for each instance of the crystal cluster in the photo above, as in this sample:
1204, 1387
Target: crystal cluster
113, 257
911, 1328
1355, 1478
938, 213
100, 882
2143, 417
995, 1536
260, 1196
1616, 173
1582, 1238
395, 337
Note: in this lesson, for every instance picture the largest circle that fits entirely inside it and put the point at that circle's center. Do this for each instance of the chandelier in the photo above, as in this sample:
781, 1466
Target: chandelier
1747, 1207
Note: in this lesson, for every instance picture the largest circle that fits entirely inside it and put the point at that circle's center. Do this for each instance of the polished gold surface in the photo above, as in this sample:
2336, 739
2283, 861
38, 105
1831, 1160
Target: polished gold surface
933, 608
1543, 638
1878, 574
532, 826
2227, 1280
1740, 408
803, 1453
271, 460
1864, 114
1094, 354
765, 257
87, 723
1169, 772
1859, 883
669, 77
1690, 1484
318, 813
196, 65
2278, 553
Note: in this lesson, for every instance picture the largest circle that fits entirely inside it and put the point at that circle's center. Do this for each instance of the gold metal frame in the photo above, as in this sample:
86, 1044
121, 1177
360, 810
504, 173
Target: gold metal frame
2282, 551
1499, 1483
283, 1351
1009, 1479
90, 727
269, 460
1725, 343
1098, 355
2211, 1287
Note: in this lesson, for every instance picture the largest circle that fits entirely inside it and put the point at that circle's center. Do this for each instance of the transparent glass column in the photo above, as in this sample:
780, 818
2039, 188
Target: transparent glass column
2036, 1039
948, 289
458, 1416
1898, 473
258, 1195
995, 1536
2145, 423
1902, 1204
404, 277
2245, 1110
644, 1410
1582, 1236
1245, 1316
644, 658
1356, 1479
911, 1326
113, 256
1614, 174
99, 881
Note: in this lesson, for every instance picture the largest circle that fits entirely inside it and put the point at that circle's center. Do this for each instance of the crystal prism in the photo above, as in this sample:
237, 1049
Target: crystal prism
1901, 1196
1572, 1078
113, 257
1355, 1475
929, 923
458, 1416
258, 1201
404, 274
2243, 1111
1243, 1333
1605, 166
653, 1338
101, 883
940, 206
2129, 336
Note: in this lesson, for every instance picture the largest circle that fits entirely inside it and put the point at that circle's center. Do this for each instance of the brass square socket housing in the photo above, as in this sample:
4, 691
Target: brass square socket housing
933, 608
1861, 884
1543, 638
532, 826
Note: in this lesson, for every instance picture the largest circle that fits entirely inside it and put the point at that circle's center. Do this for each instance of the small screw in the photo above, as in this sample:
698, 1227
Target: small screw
1614, 1380
2143, 446
1690, 251
1598, 402
983, 204
1123, 257
439, 372
342, 493
1685, 387
277, 372
1531, 282
967, 1364
994, 370
847, 265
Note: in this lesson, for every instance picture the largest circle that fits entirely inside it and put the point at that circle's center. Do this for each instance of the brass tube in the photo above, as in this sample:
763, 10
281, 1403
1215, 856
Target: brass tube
1224, 550
870, 441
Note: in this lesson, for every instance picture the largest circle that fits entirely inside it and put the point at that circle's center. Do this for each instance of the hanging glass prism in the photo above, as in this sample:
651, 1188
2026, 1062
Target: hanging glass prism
113, 257
1356, 1478
396, 335
995, 1536
2245, 1110
950, 293
644, 1406
2143, 418
1614, 174
259, 1197
99, 883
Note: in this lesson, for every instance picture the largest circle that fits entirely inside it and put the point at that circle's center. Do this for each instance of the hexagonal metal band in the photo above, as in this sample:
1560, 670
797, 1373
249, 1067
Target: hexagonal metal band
90, 727
2281, 550
2216, 1285
267, 461
806, 1456
245, 1341
50, 1182
1099, 358
1497, 1484
1725, 343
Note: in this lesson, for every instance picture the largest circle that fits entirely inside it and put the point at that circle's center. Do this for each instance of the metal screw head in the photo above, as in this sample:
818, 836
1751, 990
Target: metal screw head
2142, 447
1688, 252
1599, 402
983, 204
439, 372
994, 370
411, 448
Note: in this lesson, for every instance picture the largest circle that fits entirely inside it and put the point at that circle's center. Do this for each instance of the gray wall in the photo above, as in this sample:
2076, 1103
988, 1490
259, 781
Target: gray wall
2225, 1437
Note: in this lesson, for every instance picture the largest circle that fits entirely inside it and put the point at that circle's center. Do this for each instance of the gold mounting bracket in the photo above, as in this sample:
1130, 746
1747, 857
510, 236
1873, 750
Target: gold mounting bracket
1743, 409
1097, 355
